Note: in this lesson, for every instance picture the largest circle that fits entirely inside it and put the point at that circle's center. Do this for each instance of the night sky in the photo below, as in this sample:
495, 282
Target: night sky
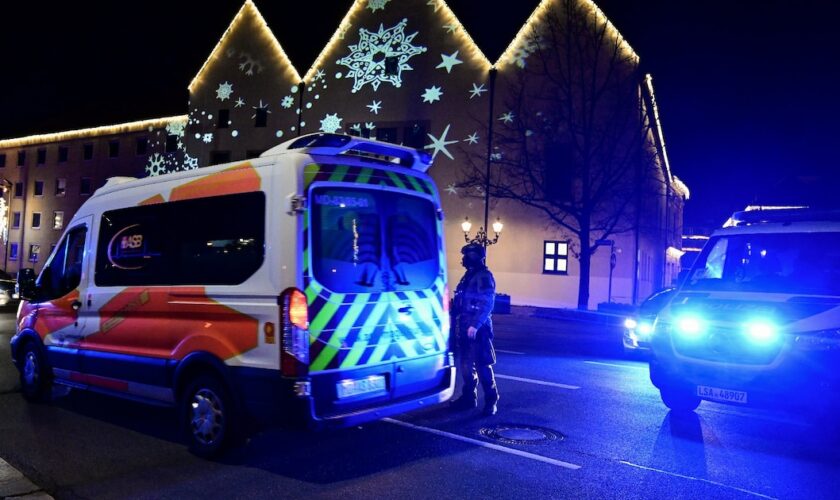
747, 91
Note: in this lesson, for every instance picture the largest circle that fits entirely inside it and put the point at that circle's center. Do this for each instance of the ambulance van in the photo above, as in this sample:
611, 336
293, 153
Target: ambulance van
308, 283
757, 320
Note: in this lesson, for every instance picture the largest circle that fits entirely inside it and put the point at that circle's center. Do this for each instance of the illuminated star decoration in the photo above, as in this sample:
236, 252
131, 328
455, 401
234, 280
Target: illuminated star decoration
439, 144
367, 58
432, 94
375, 5
472, 138
240, 102
207, 138
319, 75
434, 3
451, 189
331, 123
224, 91
449, 61
287, 102
374, 106
451, 28
507, 117
477, 90
261, 106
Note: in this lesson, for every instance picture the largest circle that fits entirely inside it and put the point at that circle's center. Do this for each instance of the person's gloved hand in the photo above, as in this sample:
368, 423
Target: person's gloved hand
471, 331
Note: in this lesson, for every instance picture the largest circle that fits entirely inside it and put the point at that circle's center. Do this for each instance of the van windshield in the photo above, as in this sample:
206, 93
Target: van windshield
369, 240
795, 263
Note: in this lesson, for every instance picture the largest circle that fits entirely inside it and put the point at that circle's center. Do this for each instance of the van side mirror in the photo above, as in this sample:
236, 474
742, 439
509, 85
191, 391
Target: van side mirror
25, 286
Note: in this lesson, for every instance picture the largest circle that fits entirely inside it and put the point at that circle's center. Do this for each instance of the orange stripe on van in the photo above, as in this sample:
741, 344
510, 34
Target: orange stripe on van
154, 200
172, 322
241, 178
53, 315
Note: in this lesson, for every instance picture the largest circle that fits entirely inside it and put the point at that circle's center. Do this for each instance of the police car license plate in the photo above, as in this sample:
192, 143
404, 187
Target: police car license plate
354, 387
725, 395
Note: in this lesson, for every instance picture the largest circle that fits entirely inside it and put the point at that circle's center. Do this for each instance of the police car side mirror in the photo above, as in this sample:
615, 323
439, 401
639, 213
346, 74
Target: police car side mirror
25, 286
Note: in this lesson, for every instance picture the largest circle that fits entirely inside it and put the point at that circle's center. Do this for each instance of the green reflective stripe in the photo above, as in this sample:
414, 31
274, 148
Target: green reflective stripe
326, 313
312, 291
424, 308
364, 177
309, 173
339, 173
396, 179
366, 329
416, 185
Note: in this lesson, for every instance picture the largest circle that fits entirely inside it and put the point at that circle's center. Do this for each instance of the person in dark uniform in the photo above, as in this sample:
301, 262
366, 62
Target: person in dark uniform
473, 326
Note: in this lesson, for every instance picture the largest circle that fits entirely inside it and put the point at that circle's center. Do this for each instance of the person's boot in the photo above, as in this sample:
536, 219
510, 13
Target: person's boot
465, 402
491, 409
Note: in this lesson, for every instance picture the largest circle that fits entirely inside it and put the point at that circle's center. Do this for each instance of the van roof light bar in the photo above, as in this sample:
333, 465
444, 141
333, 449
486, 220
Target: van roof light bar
339, 144
749, 217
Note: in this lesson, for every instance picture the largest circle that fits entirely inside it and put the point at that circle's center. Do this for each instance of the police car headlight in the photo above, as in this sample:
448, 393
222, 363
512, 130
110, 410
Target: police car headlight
690, 326
644, 330
761, 331
630, 323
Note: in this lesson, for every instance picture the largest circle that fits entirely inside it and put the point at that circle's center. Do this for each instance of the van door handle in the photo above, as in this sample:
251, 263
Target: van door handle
76, 305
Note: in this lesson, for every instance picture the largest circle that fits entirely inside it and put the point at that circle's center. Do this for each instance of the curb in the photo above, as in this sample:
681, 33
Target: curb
13, 484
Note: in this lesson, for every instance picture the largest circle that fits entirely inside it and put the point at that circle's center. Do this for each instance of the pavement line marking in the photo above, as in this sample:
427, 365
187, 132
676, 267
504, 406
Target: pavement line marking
538, 382
715, 483
509, 352
484, 444
632, 367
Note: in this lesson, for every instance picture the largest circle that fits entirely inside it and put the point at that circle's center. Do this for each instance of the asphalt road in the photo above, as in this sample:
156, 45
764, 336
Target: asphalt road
612, 439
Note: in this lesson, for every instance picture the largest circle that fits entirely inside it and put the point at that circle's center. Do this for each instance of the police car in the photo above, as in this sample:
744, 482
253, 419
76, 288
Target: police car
757, 320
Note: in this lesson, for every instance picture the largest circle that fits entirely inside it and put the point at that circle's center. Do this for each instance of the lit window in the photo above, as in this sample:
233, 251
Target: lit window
58, 219
556, 257
34, 250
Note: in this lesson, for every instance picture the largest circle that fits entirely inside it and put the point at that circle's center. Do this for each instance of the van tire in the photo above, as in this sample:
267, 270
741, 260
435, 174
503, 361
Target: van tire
35, 374
209, 416
679, 400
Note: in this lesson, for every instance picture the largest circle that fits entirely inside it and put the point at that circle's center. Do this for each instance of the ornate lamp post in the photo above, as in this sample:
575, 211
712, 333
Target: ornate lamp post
481, 237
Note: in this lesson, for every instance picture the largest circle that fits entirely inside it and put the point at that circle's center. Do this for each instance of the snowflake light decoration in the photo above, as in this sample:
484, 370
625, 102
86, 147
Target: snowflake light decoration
287, 102
261, 107
432, 94
375, 106
190, 163
331, 123
175, 128
207, 138
439, 144
507, 117
156, 165
375, 5
224, 91
249, 64
477, 90
368, 58
240, 102
472, 138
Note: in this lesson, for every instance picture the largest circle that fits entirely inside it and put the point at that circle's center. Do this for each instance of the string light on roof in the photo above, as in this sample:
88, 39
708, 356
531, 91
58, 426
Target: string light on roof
121, 128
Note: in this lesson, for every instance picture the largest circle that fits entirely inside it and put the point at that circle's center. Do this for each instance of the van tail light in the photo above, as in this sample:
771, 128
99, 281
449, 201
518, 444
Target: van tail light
294, 335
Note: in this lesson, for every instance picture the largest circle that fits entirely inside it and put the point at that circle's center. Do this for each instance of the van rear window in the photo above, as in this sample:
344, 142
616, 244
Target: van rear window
207, 241
369, 240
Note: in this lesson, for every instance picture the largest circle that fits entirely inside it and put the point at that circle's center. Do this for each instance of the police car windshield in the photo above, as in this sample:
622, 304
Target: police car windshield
370, 240
794, 263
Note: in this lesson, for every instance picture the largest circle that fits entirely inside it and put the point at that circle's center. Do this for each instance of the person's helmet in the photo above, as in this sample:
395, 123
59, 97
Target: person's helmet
474, 254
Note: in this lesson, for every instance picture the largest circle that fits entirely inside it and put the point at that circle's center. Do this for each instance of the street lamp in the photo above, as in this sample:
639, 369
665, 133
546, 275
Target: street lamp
481, 237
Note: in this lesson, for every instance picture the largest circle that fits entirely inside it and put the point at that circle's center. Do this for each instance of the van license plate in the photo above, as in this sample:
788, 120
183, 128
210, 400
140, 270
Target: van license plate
719, 394
354, 387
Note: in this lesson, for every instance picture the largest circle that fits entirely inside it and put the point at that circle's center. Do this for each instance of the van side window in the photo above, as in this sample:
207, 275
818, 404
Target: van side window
63, 272
207, 241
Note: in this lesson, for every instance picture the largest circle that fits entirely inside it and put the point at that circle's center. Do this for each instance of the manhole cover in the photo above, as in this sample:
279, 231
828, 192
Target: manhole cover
520, 434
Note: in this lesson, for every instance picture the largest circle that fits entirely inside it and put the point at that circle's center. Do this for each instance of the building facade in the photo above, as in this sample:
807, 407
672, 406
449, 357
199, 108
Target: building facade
405, 72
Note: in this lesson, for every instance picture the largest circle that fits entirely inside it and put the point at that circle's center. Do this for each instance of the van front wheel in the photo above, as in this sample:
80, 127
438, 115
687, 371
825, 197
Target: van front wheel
35, 376
208, 416
679, 399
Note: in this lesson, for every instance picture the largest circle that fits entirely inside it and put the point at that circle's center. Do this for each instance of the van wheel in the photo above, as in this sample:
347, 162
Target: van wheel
209, 416
678, 399
35, 375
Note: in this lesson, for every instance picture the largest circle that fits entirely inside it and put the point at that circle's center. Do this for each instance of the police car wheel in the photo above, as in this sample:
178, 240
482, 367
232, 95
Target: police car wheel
35, 376
208, 416
679, 399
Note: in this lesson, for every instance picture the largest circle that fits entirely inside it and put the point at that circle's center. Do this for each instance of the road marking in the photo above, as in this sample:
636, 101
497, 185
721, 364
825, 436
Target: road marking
707, 481
632, 367
484, 444
509, 352
538, 382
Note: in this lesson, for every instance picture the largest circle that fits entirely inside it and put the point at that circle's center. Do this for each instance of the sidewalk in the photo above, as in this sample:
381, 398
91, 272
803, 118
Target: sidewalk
14, 485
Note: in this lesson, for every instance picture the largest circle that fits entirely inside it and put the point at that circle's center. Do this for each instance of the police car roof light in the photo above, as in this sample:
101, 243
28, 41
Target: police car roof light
748, 217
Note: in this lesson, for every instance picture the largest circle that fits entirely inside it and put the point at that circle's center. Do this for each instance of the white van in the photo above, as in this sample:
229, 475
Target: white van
757, 319
307, 283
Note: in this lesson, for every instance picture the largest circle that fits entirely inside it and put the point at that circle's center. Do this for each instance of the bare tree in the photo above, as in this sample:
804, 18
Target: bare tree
570, 142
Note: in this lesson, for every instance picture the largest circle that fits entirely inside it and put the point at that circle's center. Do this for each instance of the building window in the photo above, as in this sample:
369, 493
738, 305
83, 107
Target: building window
142, 146
261, 117
387, 134
87, 152
18, 190
36, 220
34, 250
39, 188
217, 157
21, 158
392, 65
60, 187
13, 251
16, 220
113, 149
171, 143
63, 151
2, 160
41, 156
224, 119
556, 257
58, 219
85, 186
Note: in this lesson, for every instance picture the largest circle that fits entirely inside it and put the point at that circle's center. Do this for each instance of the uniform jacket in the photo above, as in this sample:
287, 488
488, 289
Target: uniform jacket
474, 299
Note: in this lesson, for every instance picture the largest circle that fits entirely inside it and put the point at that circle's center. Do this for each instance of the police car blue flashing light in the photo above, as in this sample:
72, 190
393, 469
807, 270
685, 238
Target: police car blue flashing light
761, 331
690, 326
630, 324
